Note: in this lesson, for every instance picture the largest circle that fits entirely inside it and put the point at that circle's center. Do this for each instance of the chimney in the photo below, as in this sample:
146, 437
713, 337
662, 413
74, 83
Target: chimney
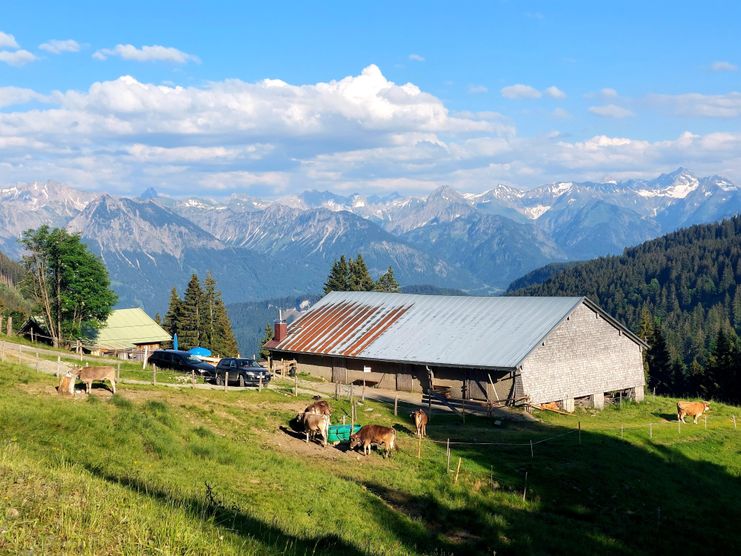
280, 330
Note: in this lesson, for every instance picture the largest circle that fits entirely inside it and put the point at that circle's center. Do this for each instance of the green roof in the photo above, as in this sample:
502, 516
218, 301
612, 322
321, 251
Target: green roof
126, 328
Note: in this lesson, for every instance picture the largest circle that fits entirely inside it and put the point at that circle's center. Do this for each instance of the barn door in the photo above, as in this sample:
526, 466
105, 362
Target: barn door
339, 371
477, 386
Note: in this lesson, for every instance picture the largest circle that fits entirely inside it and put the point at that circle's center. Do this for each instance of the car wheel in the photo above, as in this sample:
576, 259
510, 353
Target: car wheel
241, 381
219, 380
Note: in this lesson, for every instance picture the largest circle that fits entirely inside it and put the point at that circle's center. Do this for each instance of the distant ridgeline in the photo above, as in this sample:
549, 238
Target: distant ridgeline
685, 284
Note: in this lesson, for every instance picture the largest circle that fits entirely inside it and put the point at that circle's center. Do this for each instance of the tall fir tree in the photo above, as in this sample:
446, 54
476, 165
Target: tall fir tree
191, 316
171, 322
223, 343
387, 282
360, 278
269, 335
339, 277
208, 311
719, 374
660, 369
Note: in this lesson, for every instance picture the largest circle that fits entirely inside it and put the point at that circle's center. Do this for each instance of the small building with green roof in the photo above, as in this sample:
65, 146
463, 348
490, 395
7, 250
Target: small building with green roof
127, 331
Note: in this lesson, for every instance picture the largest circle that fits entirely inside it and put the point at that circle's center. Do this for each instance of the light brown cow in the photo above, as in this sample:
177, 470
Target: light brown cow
89, 374
66, 384
420, 421
693, 409
374, 434
320, 407
314, 423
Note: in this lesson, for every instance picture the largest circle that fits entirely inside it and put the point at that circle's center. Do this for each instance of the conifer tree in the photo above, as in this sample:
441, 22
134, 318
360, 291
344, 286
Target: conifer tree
208, 311
269, 335
387, 282
223, 343
171, 323
659, 363
191, 309
360, 278
719, 374
339, 277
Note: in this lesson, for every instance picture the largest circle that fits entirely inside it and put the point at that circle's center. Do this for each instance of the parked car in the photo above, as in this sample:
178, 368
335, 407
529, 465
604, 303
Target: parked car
245, 372
181, 361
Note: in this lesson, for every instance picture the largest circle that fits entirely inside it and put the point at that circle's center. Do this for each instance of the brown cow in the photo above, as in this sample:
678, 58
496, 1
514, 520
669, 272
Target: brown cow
374, 434
420, 421
314, 423
693, 409
89, 374
66, 384
320, 407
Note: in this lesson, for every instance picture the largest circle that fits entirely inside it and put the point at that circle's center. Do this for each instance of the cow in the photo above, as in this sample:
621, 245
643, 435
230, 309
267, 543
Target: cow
314, 423
374, 434
66, 384
320, 407
420, 421
89, 374
693, 409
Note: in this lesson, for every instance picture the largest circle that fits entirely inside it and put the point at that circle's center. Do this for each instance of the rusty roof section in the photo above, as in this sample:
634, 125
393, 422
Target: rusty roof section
482, 332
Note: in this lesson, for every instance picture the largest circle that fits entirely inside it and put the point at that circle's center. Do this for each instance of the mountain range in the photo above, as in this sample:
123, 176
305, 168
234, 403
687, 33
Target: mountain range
259, 249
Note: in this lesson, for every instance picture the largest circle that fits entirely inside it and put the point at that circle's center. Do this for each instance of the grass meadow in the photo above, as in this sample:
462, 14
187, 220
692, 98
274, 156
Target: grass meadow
157, 470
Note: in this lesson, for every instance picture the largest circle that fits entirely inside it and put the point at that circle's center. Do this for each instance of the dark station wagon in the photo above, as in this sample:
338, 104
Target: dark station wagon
245, 372
181, 361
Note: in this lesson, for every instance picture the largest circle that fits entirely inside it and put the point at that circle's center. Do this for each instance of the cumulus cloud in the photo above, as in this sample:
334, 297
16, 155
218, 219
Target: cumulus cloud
723, 66
8, 41
416, 58
10, 96
17, 57
555, 92
701, 105
56, 46
611, 111
153, 53
520, 91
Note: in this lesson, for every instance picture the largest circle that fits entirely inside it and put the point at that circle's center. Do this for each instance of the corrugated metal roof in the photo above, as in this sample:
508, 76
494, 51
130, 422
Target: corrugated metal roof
126, 328
493, 332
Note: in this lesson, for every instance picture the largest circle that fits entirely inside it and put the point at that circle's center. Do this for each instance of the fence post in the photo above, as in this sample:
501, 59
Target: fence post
458, 470
448, 454
734, 421
532, 452
579, 425
144, 360
154, 374
226, 380
118, 372
295, 384
396, 405
524, 490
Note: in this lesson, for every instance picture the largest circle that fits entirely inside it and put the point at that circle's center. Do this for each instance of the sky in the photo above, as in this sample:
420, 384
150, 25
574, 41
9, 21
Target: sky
213, 98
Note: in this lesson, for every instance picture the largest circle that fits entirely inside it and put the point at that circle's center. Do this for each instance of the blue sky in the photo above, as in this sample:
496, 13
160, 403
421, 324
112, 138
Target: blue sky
217, 97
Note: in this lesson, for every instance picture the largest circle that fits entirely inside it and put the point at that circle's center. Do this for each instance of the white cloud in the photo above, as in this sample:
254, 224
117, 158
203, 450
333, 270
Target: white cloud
17, 57
700, 105
8, 41
477, 89
520, 91
555, 92
153, 53
611, 111
416, 58
609, 92
561, 113
723, 66
56, 46
10, 96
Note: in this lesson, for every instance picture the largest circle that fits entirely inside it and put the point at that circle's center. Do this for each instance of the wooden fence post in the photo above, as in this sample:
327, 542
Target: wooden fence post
457, 471
734, 421
118, 372
396, 405
532, 452
295, 384
448, 455
9, 329
144, 360
154, 374
226, 381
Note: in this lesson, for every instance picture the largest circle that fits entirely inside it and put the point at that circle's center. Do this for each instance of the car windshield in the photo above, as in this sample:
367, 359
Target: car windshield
193, 359
247, 363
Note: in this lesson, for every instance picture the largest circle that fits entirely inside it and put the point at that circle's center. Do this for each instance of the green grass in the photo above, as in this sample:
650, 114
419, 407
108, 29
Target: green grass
157, 470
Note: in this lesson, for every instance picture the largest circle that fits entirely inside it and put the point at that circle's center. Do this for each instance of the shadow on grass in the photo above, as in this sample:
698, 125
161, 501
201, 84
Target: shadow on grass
211, 509
665, 416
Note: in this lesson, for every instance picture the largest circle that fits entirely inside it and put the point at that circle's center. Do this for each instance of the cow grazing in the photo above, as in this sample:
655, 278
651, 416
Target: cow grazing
66, 384
374, 434
314, 423
320, 407
693, 409
89, 374
420, 421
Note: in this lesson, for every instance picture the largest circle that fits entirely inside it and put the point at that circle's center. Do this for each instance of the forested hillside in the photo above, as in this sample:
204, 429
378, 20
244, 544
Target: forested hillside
12, 302
682, 291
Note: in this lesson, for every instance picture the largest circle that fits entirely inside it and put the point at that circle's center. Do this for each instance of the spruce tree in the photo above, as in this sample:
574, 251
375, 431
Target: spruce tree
171, 323
190, 314
659, 363
387, 282
360, 278
224, 343
720, 371
339, 277
208, 312
269, 335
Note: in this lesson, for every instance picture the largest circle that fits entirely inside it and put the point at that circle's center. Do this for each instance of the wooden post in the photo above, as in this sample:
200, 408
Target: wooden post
144, 361
226, 381
32, 335
259, 387
352, 393
419, 447
396, 405
362, 395
448, 453
154, 374
532, 452
579, 425
524, 490
734, 421
650, 430
9, 329
457, 471
343, 419
118, 372
295, 384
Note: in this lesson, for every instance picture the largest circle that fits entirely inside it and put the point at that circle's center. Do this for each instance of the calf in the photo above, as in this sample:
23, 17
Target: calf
420, 421
693, 409
314, 423
374, 434
89, 374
